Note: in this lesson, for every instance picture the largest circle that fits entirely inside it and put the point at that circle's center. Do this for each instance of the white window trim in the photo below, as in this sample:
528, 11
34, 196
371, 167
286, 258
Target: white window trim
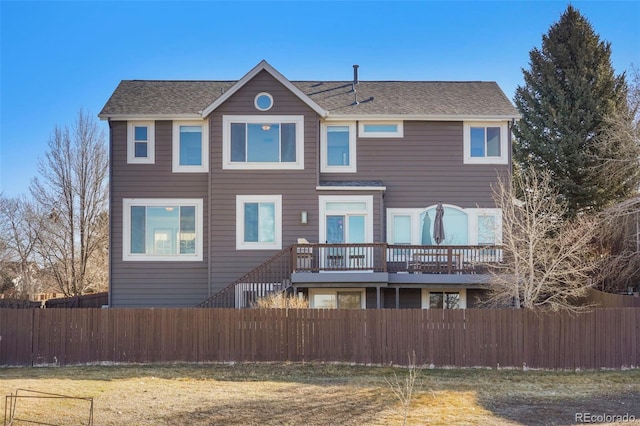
127, 203
334, 292
397, 134
204, 167
415, 223
255, 101
472, 222
227, 164
461, 291
504, 143
473, 215
324, 154
368, 212
131, 147
240, 201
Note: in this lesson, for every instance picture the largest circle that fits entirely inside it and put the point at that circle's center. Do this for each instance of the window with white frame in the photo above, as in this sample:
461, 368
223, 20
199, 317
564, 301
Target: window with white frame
485, 226
486, 143
258, 222
190, 147
471, 226
338, 148
263, 101
344, 298
444, 299
140, 142
162, 229
263, 142
381, 129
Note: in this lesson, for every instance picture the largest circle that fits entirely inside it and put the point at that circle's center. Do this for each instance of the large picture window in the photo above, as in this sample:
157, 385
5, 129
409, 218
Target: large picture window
263, 142
162, 229
258, 222
190, 147
471, 226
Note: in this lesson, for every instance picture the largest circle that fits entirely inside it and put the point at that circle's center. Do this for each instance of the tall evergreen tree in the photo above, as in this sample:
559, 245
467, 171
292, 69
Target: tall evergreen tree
569, 96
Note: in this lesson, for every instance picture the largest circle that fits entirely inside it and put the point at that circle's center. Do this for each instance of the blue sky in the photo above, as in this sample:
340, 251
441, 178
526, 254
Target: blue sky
59, 57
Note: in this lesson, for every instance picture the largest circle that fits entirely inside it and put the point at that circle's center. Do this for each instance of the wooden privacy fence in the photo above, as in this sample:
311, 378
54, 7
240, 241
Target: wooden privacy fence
603, 338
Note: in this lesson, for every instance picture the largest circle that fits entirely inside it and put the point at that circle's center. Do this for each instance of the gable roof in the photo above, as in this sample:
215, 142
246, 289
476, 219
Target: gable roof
263, 66
434, 100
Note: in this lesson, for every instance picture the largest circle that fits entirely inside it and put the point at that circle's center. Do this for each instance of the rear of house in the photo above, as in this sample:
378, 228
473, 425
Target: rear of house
224, 191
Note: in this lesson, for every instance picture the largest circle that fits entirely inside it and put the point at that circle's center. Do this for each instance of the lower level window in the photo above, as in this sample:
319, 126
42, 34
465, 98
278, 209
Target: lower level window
444, 299
337, 299
162, 229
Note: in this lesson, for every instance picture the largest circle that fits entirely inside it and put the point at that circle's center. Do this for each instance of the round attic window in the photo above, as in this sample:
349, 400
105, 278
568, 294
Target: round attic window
263, 101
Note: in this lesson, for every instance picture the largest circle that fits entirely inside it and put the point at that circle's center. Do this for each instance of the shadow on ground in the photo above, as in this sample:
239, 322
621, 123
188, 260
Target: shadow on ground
559, 409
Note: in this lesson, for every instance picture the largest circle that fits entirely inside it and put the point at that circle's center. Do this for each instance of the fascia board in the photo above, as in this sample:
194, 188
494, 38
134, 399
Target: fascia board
264, 65
420, 117
149, 117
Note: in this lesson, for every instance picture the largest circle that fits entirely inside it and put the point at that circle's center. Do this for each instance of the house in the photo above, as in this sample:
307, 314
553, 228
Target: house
224, 191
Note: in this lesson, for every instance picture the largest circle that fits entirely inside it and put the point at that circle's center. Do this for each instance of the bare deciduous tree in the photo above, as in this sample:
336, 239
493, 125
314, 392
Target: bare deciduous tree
547, 258
618, 246
618, 233
617, 166
73, 189
20, 228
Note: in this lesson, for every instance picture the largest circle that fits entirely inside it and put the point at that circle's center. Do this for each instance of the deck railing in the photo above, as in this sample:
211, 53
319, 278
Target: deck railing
395, 258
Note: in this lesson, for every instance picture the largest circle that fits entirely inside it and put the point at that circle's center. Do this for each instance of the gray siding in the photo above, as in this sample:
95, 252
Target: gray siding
423, 167
297, 187
142, 284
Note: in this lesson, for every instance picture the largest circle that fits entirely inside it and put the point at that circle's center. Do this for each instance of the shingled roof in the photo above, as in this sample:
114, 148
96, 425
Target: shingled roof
436, 99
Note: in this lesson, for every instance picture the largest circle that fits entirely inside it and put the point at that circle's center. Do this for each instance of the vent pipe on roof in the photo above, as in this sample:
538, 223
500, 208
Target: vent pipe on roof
353, 85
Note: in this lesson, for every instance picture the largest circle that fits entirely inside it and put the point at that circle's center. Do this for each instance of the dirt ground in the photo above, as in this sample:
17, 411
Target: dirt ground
318, 394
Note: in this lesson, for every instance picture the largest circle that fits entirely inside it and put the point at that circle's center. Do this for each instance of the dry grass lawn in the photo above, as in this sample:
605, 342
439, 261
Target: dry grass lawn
316, 394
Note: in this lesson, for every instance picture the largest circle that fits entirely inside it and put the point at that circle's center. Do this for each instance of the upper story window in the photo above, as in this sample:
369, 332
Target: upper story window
263, 142
338, 148
263, 101
190, 147
486, 143
140, 142
162, 229
381, 129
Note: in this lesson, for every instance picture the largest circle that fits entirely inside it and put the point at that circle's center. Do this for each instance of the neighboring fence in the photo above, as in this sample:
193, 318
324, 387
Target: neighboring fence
19, 304
609, 300
603, 338
96, 300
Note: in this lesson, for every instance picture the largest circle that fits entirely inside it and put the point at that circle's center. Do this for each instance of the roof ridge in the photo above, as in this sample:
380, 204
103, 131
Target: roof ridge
314, 81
